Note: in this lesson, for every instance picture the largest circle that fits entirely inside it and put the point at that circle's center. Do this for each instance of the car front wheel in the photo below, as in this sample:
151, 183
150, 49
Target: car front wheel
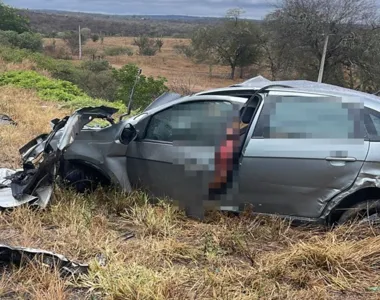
364, 212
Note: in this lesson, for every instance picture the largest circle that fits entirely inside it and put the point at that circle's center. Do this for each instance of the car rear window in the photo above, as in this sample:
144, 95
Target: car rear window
372, 123
308, 117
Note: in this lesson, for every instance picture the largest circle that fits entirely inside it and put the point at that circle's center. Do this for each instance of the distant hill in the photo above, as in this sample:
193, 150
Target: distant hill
184, 18
49, 21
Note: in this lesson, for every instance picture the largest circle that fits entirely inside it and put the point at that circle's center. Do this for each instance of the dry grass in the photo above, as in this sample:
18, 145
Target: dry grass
171, 257
179, 70
31, 114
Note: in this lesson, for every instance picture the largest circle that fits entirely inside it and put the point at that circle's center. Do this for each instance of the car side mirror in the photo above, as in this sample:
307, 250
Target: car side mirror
128, 135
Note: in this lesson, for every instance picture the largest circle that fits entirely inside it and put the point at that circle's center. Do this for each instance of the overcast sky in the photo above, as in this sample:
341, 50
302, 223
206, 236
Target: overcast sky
254, 8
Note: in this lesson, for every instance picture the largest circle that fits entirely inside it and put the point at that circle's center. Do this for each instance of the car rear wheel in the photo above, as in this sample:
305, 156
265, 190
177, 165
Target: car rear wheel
364, 212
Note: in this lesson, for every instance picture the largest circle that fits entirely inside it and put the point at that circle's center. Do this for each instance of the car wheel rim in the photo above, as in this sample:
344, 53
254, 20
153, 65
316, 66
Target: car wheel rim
372, 219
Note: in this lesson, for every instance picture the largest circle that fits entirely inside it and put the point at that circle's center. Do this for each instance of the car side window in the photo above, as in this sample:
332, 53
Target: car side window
188, 121
160, 127
301, 117
372, 123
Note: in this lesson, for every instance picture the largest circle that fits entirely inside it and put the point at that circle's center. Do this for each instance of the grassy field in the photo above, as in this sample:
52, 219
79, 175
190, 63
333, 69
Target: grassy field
171, 256
178, 69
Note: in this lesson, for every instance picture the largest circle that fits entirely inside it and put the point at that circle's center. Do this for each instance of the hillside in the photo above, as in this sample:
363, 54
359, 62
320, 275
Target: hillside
53, 21
173, 18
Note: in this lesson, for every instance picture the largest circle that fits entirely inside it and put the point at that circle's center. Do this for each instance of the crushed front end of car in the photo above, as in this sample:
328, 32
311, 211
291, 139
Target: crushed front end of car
41, 159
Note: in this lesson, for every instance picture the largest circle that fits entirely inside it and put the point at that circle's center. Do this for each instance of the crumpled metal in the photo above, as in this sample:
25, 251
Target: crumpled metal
20, 255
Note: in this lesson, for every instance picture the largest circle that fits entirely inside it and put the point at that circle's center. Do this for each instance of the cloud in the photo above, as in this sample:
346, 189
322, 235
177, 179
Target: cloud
254, 8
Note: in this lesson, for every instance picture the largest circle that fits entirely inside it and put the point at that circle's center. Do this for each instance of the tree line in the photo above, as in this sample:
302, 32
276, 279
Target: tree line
289, 43
48, 23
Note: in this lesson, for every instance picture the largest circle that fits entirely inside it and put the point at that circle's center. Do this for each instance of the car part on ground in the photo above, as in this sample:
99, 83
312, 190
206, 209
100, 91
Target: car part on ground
6, 120
20, 255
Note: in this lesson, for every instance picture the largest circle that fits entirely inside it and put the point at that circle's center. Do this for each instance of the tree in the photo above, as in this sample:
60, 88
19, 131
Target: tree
277, 52
305, 25
25, 40
147, 46
71, 38
11, 20
233, 42
146, 90
95, 37
86, 33
159, 44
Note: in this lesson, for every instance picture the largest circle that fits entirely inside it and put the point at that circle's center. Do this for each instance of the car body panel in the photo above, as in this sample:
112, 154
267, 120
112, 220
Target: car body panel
369, 177
284, 178
180, 170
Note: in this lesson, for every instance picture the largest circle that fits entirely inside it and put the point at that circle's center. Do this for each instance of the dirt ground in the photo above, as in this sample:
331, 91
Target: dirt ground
179, 70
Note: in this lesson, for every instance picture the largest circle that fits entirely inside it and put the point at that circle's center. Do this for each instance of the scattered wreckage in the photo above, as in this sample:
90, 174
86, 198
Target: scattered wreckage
226, 148
21, 255
41, 158
6, 120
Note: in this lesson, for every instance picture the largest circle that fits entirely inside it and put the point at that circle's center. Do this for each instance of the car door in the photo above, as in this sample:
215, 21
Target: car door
303, 150
174, 157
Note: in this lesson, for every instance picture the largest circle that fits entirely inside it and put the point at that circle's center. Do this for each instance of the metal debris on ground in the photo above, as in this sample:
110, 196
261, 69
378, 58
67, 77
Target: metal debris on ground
6, 120
19, 255
127, 236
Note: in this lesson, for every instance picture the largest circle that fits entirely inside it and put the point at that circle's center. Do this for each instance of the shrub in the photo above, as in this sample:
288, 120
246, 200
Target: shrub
159, 44
89, 52
99, 85
72, 40
31, 41
57, 53
14, 55
86, 33
184, 50
53, 89
96, 65
95, 37
47, 88
147, 46
115, 51
147, 88
25, 40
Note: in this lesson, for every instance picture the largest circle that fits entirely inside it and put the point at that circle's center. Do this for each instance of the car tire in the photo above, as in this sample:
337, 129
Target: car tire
81, 180
367, 211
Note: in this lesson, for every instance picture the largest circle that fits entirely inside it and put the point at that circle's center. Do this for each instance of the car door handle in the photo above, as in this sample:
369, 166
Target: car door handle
336, 158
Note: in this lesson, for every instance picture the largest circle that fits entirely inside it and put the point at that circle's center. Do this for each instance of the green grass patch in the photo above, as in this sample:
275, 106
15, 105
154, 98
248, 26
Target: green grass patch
118, 50
54, 89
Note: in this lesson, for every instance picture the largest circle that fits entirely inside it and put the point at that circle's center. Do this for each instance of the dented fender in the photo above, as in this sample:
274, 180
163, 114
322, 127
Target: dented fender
369, 177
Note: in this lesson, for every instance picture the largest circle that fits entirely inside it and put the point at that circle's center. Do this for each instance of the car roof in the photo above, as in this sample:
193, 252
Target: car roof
298, 87
236, 100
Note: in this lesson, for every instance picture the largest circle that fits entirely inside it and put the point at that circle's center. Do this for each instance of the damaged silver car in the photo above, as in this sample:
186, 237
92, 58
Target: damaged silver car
298, 149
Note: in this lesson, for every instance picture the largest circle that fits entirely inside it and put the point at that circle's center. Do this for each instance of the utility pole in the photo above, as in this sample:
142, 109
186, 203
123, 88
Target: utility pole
322, 67
80, 44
